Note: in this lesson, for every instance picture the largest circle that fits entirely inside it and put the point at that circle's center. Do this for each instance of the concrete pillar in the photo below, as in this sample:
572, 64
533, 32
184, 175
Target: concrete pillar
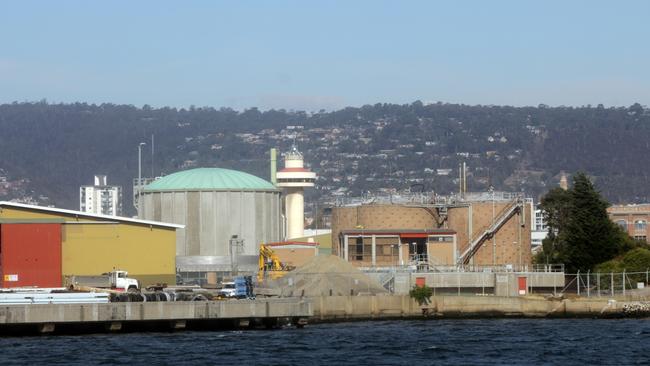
455, 249
401, 259
295, 203
345, 247
114, 326
178, 324
374, 250
46, 328
243, 323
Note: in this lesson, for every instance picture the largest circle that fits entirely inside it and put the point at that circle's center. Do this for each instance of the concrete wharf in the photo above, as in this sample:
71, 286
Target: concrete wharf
274, 312
153, 316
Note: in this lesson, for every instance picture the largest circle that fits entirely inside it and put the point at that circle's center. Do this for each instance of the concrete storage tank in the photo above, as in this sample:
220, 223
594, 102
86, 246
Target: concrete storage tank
214, 205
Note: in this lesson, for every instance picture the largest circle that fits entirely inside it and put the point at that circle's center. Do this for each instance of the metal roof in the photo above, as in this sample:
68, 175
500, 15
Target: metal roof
88, 214
209, 179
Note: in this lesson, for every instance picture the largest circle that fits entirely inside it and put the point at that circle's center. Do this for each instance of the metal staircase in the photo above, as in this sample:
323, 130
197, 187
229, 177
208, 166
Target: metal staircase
489, 230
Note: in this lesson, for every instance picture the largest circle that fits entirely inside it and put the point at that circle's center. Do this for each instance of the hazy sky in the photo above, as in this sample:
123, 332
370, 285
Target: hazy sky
326, 54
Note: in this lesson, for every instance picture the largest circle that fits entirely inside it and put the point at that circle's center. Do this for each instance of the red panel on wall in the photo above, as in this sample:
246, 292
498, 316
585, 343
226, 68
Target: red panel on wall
522, 286
30, 255
413, 235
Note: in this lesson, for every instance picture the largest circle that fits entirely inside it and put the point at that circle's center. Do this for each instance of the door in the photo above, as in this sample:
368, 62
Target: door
523, 286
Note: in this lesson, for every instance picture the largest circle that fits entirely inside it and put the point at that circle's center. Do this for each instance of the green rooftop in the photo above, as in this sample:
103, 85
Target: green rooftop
209, 179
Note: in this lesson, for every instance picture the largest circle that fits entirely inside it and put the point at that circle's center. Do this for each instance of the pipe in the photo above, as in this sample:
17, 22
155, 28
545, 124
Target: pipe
274, 166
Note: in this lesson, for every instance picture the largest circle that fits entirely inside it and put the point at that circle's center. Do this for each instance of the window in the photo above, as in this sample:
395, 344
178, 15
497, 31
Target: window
640, 225
640, 238
359, 249
622, 224
440, 239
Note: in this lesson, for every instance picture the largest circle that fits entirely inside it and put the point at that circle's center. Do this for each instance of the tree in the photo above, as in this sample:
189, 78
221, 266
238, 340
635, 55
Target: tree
591, 237
555, 207
581, 235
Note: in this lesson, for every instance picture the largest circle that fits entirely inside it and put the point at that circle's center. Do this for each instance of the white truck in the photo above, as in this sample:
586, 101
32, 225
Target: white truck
115, 280
228, 289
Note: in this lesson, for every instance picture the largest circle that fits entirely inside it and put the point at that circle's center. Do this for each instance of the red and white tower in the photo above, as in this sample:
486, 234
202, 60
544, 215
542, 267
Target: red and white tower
294, 178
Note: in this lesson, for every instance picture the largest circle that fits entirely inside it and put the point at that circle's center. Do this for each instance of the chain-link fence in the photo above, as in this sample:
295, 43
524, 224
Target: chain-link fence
607, 284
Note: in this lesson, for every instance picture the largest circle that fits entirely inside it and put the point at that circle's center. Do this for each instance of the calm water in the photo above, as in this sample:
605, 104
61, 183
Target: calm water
426, 342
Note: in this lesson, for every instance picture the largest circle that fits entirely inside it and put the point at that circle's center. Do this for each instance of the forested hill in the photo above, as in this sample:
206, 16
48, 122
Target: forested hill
58, 147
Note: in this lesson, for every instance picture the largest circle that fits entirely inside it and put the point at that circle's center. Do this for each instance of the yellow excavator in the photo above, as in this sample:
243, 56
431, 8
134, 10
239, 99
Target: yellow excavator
270, 265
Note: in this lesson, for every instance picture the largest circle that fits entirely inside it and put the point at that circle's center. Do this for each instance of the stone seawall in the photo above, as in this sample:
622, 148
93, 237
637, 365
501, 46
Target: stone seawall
337, 308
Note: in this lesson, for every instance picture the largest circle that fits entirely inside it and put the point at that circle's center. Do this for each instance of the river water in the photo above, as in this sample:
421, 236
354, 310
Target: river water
416, 342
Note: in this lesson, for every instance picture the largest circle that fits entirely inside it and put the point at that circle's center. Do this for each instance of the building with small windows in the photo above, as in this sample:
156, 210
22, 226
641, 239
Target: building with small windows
100, 198
633, 219
479, 229
538, 230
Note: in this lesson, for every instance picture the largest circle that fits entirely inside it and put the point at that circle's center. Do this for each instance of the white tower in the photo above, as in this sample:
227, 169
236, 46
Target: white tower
295, 178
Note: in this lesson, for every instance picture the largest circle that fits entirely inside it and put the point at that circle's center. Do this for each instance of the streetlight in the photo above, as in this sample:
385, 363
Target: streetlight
494, 239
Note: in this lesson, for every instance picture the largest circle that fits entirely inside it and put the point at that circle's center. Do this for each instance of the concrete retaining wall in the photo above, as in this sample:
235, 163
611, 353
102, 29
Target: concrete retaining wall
395, 306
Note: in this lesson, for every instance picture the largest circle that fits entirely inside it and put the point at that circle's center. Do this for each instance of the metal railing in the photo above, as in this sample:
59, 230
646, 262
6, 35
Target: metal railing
426, 198
501, 268
389, 279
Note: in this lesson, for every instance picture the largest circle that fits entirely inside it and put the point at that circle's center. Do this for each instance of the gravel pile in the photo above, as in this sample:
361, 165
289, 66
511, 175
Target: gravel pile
326, 275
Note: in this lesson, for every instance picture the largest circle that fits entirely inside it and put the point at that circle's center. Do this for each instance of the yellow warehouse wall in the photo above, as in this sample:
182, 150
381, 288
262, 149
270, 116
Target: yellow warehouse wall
324, 242
147, 252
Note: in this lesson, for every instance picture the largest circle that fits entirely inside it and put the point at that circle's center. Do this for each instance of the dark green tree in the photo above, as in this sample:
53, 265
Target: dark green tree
581, 235
591, 237
555, 206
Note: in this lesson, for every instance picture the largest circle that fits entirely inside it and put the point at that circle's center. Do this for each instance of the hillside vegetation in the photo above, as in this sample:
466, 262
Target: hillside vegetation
59, 147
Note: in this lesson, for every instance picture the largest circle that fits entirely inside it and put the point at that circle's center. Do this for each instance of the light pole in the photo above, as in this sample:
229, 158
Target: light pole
494, 239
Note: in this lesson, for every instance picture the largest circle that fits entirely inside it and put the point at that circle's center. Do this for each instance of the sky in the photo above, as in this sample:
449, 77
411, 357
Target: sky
312, 55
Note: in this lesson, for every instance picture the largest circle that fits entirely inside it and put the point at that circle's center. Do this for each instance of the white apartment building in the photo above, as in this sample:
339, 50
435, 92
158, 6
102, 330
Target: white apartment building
538, 230
101, 198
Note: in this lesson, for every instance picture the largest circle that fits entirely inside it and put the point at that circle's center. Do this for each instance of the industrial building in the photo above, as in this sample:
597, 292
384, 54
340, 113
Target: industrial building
398, 247
539, 230
39, 246
633, 219
101, 198
227, 214
480, 229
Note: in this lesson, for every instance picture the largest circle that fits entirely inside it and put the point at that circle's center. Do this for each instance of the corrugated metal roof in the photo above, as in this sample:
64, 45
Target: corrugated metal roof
87, 214
209, 179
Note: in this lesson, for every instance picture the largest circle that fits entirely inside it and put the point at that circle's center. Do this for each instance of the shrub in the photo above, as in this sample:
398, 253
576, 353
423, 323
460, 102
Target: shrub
421, 294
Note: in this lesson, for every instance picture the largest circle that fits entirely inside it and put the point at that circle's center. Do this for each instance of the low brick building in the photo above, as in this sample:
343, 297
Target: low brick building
633, 219
486, 231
